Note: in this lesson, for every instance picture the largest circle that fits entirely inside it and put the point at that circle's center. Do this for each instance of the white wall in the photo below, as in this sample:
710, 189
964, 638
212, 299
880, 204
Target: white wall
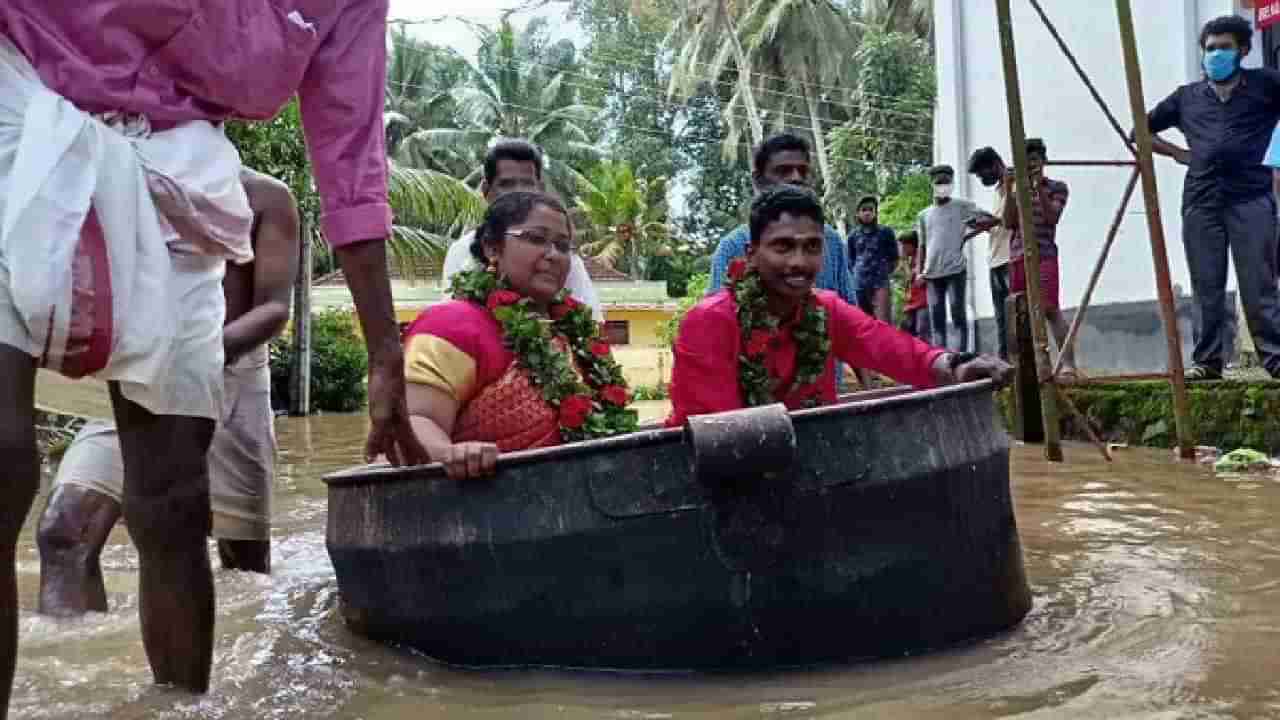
1057, 107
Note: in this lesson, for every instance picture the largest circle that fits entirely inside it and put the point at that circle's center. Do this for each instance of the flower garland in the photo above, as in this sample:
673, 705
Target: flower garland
760, 329
596, 408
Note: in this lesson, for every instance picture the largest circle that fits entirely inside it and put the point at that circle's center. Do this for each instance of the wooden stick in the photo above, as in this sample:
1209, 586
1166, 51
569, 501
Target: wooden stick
1097, 273
1088, 428
1031, 253
1159, 253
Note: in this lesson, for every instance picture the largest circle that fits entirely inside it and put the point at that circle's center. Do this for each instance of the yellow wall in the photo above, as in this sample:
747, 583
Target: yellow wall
644, 361
644, 324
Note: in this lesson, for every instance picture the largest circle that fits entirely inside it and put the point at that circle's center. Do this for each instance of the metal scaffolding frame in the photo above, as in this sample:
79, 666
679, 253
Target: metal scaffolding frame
1144, 171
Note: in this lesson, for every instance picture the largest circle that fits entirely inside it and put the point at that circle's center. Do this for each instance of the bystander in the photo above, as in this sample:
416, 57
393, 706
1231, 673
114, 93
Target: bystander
1228, 200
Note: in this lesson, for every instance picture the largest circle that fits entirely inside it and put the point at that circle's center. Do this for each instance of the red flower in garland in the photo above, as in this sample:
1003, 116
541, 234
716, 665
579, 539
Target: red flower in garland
738, 269
616, 395
600, 348
559, 312
574, 411
759, 342
502, 298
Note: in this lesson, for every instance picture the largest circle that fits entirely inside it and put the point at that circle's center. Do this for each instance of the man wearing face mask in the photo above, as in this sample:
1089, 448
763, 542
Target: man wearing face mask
940, 262
1227, 202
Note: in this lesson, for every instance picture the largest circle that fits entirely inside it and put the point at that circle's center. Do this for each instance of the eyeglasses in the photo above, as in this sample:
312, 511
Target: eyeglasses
539, 239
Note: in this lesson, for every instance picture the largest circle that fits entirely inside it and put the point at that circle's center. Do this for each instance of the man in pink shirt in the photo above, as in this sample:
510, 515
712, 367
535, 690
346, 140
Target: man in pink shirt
769, 337
111, 150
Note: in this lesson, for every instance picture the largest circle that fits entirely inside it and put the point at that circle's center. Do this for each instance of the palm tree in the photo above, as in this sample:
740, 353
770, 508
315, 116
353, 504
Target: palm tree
809, 42
707, 35
421, 78
432, 209
519, 86
789, 56
626, 216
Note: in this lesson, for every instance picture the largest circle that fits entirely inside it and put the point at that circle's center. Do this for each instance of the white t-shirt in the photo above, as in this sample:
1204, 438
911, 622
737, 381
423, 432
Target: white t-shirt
579, 282
998, 237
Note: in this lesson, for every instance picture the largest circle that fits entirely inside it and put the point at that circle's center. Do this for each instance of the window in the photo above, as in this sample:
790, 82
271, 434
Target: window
617, 332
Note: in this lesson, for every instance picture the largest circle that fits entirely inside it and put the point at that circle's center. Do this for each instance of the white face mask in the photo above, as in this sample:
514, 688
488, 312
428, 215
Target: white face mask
942, 192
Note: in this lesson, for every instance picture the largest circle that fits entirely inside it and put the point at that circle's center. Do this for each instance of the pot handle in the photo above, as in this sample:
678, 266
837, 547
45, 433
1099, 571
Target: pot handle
740, 445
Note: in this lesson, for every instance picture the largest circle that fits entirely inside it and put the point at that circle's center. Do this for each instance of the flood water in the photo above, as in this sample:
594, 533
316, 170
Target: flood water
1157, 595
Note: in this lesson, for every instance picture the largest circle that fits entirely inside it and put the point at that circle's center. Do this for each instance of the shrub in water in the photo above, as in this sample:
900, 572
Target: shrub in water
339, 364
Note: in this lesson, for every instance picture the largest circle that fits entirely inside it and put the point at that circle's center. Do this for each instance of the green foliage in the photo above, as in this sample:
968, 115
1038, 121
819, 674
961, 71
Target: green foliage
626, 217
651, 392
521, 84
621, 73
696, 289
679, 268
890, 134
339, 364
719, 188
421, 78
1226, 415
276, 148
432, 209
900, 209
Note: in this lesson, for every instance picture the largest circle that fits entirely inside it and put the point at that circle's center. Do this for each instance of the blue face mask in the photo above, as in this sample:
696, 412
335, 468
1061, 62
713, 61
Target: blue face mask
1220, 65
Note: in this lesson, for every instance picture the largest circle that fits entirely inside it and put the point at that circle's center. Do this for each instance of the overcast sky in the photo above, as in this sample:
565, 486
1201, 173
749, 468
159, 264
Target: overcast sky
456, 34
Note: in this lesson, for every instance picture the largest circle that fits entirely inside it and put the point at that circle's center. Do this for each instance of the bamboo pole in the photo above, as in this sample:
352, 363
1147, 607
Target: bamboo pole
1084, 77
1159, 253
300, 370
1097, 272
1031, 252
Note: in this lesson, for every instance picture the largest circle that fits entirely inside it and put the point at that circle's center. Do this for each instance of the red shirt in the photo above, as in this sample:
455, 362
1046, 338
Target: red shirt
705, 376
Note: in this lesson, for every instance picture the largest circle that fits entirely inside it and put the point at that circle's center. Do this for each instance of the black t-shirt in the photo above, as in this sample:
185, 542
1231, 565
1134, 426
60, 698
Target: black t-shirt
1228, 140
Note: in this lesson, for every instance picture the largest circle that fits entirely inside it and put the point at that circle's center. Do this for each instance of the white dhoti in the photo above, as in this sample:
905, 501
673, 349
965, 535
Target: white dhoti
241, 456
113, 242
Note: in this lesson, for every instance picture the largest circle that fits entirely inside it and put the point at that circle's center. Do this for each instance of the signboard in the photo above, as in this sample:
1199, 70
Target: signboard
1268, 13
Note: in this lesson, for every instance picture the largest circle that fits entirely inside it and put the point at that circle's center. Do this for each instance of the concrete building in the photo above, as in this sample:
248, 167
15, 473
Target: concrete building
1122, 331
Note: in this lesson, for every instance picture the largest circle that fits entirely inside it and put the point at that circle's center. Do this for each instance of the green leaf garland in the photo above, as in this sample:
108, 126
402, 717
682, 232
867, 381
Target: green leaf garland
586, 410
760, 329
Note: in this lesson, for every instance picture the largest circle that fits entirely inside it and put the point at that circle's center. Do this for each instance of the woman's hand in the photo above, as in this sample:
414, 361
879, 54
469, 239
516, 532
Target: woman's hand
469, 460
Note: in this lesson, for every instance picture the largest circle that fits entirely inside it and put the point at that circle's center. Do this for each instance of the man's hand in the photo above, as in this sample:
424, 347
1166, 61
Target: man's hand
364, 264
1182, 156
985, 366
468, 460
392, 435
977, 368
